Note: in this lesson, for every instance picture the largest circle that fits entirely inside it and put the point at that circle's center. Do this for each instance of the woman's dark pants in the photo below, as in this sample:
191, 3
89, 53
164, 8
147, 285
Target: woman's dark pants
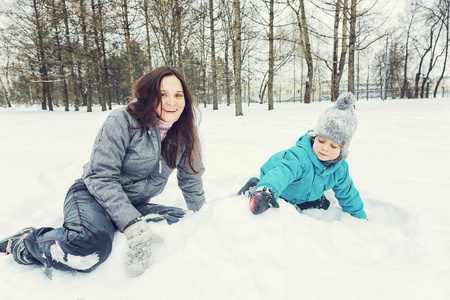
82, 243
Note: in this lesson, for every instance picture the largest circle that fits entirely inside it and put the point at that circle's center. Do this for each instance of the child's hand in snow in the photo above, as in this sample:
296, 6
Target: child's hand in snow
262, 199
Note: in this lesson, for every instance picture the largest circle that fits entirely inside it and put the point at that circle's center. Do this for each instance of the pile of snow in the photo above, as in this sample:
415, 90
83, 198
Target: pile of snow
399, 160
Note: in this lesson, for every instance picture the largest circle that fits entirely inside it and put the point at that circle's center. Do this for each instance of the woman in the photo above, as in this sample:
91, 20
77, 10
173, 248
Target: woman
135, 151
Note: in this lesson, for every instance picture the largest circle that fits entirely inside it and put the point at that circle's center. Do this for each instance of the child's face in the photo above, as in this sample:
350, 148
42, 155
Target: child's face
325, 149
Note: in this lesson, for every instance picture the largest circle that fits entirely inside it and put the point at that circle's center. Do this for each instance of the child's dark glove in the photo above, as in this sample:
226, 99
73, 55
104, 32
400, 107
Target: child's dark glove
261, 200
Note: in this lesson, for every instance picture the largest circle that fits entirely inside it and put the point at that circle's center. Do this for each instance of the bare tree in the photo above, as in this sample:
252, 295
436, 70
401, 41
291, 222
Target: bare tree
339, 63
43, 64
145, 10
271, 56
59, 53
5, 49
389, 62
104, 65
355, 36
69, 53
422, 56
228, 86
227, 20
435, 33
352, 47
203, 55
128, 42
237, 58
83, 59
405, 86
443, 14
282, 53
395, 67
213, 55
302, 24
268, 24
97, 20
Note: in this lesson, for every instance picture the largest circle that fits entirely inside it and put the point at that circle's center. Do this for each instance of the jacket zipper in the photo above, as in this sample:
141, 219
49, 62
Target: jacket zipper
326, 167
160, 149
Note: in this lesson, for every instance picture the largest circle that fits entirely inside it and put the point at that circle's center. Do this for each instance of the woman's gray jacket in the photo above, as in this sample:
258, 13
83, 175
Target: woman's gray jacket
126, 169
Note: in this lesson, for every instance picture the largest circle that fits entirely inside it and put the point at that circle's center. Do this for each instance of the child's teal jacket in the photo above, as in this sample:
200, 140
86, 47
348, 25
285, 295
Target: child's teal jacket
297, 175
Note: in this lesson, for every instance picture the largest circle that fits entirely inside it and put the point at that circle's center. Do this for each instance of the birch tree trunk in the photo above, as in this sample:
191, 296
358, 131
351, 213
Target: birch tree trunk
237, 58
334, 70
7, 54
405, 89
339, 62
434, 56
213, 55
352, 48
308, 53
419, 72
104, 64
445, 19
179, 34
126, 28
305, 45
227, 17
271, 58
98, 60
86, 95
59, 53
227, 73
70, 57
43, 68
147, 33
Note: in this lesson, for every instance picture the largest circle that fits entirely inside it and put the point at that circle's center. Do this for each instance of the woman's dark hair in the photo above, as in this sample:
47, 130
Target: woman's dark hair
183, 132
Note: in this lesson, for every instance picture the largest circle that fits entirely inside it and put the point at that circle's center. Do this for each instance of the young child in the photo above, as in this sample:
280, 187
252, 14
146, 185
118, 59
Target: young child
301, 174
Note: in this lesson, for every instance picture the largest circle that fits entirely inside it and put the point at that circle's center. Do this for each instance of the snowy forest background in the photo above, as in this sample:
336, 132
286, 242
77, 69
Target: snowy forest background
78, 53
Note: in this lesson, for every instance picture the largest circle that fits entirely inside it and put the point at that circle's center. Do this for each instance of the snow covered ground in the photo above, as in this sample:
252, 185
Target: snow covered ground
399, 160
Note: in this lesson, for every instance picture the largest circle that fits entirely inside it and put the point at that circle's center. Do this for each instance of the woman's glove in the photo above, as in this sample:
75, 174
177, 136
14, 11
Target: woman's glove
261, 200
139, 256
153, 212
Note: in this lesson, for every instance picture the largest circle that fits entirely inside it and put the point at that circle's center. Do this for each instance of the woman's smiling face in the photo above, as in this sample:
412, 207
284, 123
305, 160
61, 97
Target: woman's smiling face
172, 99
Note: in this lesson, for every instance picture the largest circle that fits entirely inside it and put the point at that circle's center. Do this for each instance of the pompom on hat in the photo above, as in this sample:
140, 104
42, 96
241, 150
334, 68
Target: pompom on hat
338, 123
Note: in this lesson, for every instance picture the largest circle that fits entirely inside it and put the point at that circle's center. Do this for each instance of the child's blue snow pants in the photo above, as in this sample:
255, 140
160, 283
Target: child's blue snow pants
82, 243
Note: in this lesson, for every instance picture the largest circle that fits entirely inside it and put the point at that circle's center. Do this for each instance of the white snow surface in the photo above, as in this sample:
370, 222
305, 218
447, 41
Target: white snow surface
399, 161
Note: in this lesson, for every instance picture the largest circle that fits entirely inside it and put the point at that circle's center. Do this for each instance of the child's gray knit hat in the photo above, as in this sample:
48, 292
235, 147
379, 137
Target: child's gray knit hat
338, 123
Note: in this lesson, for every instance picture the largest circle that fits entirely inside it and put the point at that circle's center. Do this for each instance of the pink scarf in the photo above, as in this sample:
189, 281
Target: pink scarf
164, 128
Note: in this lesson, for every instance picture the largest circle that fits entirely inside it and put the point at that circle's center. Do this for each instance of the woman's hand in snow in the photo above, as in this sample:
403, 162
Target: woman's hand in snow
139, 255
